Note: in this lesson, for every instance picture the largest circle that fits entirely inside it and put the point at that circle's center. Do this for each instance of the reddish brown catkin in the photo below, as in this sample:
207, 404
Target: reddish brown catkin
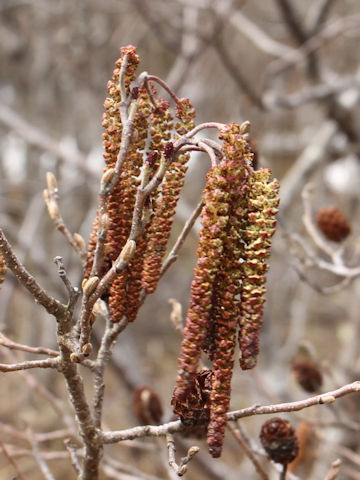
225, 311
160, 229
263, 200
111, 142
214, 217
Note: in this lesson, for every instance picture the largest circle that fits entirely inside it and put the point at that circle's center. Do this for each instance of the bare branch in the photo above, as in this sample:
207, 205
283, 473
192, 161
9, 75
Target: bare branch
38, 139
111, 333
7, 342
334, 471
54, 307
72, 449
180, 469
173, 255
73, 292
235, 430
39, 460
51, 200
11, 460
172, 427
48, 363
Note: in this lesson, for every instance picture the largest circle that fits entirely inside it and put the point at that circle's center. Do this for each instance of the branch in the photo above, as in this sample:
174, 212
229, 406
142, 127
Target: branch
103, 357
312, 158
330, 31
334, 470
53, 306
236, 431
72, 449
7, 342
322, 91
173, 255
176, 426
73, 292
51, 200
292, 20
320, 14
48, 363
37, 457
39, 139
180, 469
235, 73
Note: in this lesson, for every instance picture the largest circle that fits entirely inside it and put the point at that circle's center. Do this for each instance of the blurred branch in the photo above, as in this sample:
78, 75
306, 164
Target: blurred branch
329, 32
311, 158
313, 93
39, 139
321, 12
334, 471
37, 457
9, 456
235, 73
48, 363
173, 255
237, 433
259, 37
156, 22
7, 342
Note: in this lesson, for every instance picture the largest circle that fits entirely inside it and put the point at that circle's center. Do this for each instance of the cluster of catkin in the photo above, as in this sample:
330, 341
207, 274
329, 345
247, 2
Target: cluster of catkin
228, 287
238, 220
154, 130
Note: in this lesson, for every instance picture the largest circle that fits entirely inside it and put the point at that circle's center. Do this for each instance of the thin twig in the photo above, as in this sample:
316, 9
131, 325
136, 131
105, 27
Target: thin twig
180, 469
234, 429
7, 342
73, 292
53, 306
283, 472
47, 363
11, 460
39, 139
51, 199
171, 258
37, 457
72, 449
334, 471
111, 332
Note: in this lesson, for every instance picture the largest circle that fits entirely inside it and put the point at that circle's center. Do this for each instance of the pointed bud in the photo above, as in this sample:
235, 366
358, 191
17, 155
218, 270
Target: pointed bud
128, 251
86, 349
90, 285
245, 127
51, 182
104, 223
80, 242
107, 177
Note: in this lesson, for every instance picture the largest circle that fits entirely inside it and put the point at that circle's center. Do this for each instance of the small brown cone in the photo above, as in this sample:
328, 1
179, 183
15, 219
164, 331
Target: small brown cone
333, 224
308, 375
147, 406
279, 440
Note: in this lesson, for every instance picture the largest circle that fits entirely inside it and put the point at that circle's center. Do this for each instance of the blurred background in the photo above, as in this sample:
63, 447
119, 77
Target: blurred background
290, 67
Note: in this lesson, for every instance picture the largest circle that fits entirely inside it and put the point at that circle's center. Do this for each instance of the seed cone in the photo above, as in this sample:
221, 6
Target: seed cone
333, 224
279, 440
147, 406
308, 375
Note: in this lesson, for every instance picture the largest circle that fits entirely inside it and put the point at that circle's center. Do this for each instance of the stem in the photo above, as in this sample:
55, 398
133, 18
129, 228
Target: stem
104, 354
52, 306
283, 472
